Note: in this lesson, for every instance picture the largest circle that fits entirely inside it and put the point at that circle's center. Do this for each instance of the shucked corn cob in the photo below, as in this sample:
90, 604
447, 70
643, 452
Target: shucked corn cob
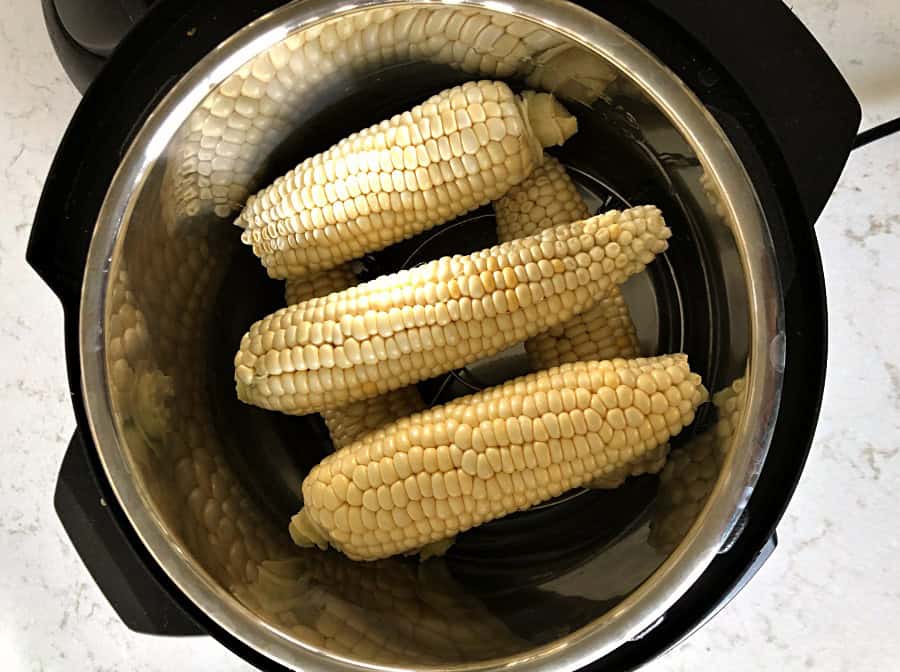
478, 458
549, 197
418, 323
604, 331
351, 422
456, 151
224, 145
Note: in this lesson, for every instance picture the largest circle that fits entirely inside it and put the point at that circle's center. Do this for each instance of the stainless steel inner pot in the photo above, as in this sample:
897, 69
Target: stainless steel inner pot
209, 484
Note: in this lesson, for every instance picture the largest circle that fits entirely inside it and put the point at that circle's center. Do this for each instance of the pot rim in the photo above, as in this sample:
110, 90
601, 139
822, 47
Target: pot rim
644, 607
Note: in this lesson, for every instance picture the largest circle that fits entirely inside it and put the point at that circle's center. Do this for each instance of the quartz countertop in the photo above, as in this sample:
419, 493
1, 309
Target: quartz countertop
827, 600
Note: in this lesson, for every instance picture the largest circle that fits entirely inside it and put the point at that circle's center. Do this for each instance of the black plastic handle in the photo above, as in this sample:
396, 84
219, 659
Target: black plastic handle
132, 591
85, 32
803, 99
80, 65
758, 561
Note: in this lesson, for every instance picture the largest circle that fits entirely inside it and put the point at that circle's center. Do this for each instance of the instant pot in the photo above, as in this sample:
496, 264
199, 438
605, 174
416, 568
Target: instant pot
729, 117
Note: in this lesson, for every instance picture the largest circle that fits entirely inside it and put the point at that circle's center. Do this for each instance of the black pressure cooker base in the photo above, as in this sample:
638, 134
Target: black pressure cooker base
710, 45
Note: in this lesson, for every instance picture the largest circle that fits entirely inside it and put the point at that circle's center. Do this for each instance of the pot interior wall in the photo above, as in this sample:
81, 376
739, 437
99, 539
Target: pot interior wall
224, 477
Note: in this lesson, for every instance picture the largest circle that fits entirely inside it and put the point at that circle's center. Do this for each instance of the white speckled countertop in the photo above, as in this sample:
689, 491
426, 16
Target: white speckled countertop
827, 600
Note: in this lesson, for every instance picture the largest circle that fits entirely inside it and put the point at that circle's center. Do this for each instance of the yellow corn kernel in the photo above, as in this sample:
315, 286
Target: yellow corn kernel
458, 150
402, 328
445, 470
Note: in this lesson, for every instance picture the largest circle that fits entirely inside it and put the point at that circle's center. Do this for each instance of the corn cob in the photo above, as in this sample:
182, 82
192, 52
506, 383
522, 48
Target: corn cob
604, 331
691, 473
350, 422
455, 152
549, 197
337, 279
225, 143
451, 468
418, 323
546, 198
384, 612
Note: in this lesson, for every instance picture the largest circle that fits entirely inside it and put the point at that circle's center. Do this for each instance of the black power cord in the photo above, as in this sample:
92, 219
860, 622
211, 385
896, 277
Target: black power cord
877, 133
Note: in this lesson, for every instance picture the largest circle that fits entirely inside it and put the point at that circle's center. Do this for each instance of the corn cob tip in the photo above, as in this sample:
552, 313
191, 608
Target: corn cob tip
305, 533
551, 122
153, 395
546, 198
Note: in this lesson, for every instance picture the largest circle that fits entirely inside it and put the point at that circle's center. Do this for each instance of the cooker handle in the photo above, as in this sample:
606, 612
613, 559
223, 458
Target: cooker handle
804, 101
85, 32
755, 562
134, 593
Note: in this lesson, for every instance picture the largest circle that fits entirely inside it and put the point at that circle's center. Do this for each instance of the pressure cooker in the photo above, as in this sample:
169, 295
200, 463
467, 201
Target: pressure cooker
729, 117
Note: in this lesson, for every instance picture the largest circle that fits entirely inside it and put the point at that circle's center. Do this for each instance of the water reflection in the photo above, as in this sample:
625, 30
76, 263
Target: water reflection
692, 471
385, 612
159, 310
